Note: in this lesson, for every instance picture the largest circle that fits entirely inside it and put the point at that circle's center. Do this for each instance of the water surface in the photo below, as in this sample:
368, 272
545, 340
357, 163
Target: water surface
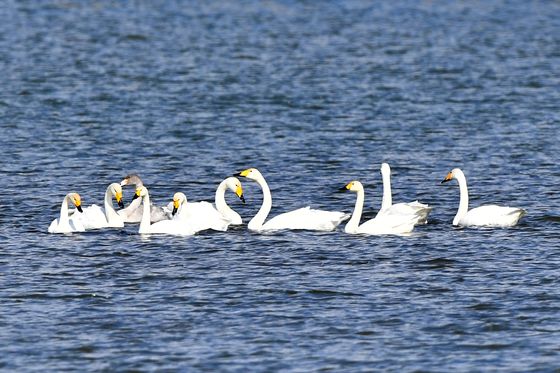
314, 95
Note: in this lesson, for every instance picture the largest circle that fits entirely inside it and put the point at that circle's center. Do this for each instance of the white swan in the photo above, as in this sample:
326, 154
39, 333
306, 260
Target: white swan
203, 215
387, 206
384, 224
483, 216
174, 227
65, 223
94, 217
133, 212
304, 218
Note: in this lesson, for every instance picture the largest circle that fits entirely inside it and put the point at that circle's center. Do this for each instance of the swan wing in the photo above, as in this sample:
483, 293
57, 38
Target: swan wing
307, 218
412, 208
74, 225
133, 213
199, 216
93, 217
52, 226
158, 213
172, 227
492, 216
168, 209
389, 224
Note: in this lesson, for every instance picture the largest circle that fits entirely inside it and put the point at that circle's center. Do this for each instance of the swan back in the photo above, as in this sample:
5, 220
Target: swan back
492, 216
306, 218
389, 224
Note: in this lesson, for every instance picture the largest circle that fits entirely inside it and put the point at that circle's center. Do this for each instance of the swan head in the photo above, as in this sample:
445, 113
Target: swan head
116, 191
353, 186
178, 199
453, 174
234, 185
385, 168
132, 179
250, 173
76, 200
140, 191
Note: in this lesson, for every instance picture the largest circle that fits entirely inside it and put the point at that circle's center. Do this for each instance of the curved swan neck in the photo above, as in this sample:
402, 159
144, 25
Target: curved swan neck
354, 222
145, 222
220, 200
258, 220
464, 200
387, 194
110, 212
64, 211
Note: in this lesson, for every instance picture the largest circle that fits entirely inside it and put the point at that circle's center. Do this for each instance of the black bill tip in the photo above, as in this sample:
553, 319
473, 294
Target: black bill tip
242, 198
80, 208
343, 189
134, 196
121, 204
174, 211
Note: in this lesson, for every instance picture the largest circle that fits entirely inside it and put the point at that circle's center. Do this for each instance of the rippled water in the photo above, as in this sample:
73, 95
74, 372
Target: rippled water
314, 95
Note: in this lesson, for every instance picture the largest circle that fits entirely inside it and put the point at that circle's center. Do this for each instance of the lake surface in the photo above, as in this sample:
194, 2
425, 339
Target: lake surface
314, 94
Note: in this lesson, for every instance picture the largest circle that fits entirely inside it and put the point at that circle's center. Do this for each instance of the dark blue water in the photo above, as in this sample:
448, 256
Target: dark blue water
314, 94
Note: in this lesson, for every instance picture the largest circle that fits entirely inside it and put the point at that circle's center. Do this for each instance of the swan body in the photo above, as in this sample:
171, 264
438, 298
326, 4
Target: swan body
95, 217
381, 224
174, 227
483, 216
303, 218
65, 223
133, 212
410, 208
203, 215
198, 216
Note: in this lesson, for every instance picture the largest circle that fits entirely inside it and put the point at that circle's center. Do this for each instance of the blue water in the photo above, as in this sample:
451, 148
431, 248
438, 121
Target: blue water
314, 94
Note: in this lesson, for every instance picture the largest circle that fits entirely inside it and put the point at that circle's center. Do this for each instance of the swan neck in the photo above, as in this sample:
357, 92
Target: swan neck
387, 194
132, 206
64, 211
464, 199
258, 220
220, 200
145, 222
110, 212
354, 222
